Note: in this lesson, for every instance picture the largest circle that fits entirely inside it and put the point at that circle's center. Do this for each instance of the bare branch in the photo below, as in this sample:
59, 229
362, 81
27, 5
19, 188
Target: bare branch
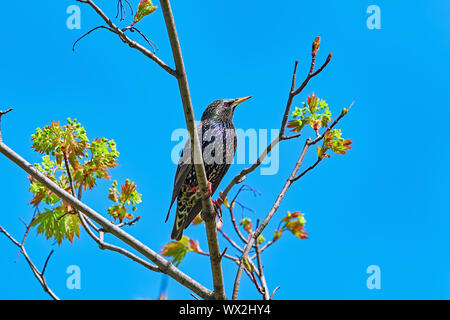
129, 223
125, 39
255, 282
233, 220
208, 212
88, 33
292, 178
5, 112
2, 113
307, 170
194, 296
150, 42
281, 137
121, 9
273, 293
264, 247
265, 290
231, 241
106, 246
46, 262
268, 217
39, 275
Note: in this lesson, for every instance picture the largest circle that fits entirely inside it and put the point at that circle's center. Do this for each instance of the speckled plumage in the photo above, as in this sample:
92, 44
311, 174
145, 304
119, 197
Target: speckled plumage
218, 136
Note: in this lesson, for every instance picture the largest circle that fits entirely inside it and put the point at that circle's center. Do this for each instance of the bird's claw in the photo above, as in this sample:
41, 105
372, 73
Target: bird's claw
216, 203
197, 189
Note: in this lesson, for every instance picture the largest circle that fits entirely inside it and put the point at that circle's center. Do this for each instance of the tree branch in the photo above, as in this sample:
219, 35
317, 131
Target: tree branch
292, 178
2, 113
163, 265
281, 137
39, 275
133, 44
208, 212
265, 292
274, 291
99, 240
266, 220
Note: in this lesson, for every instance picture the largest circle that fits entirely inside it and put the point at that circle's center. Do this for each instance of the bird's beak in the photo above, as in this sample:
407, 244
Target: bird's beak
240, 100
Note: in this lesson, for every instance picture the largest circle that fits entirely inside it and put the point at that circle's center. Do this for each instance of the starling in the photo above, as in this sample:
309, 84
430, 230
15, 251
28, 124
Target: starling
218, 138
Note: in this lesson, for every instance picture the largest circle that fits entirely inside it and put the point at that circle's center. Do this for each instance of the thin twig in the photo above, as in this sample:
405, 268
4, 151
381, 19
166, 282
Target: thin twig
223, 253
106, 246
293, 92
5, 112
88, 33
292, 178
264, 247
194, 296
150, 43
125, 39
253, 278
262, 278
121, 9
273, 293
46, 262
2, 113
281, 137
231, 241
39, 275
307, 170
229, 257
129, 223
233, 220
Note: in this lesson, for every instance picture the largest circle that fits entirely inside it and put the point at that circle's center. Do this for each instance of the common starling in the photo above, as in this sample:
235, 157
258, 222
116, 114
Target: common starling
217, 134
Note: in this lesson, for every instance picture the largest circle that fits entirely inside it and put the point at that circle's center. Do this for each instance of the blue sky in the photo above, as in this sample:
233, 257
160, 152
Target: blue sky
385, 203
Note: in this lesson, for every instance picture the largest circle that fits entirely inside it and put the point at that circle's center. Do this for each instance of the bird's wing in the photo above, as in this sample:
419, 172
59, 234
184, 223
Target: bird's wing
182, 172
184, 166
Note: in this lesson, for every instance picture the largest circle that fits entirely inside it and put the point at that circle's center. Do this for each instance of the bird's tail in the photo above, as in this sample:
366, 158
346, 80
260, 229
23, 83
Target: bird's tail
179, 225
177, 233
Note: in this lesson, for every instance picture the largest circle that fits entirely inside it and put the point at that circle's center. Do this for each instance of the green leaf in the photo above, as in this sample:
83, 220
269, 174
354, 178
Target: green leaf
145, 8
128, 196
261, 239
57, 224
333, 140
176, 249
315, 112
295, 223
247, 224
67, 148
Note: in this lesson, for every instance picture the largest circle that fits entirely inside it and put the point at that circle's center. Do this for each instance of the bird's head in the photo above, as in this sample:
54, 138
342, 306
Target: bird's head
222, 109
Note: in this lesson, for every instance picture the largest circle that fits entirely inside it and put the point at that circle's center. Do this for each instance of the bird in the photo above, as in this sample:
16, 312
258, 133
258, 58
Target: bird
217, 135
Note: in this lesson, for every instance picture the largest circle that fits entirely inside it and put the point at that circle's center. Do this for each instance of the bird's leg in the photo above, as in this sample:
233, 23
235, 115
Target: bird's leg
216, 203
208, 193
